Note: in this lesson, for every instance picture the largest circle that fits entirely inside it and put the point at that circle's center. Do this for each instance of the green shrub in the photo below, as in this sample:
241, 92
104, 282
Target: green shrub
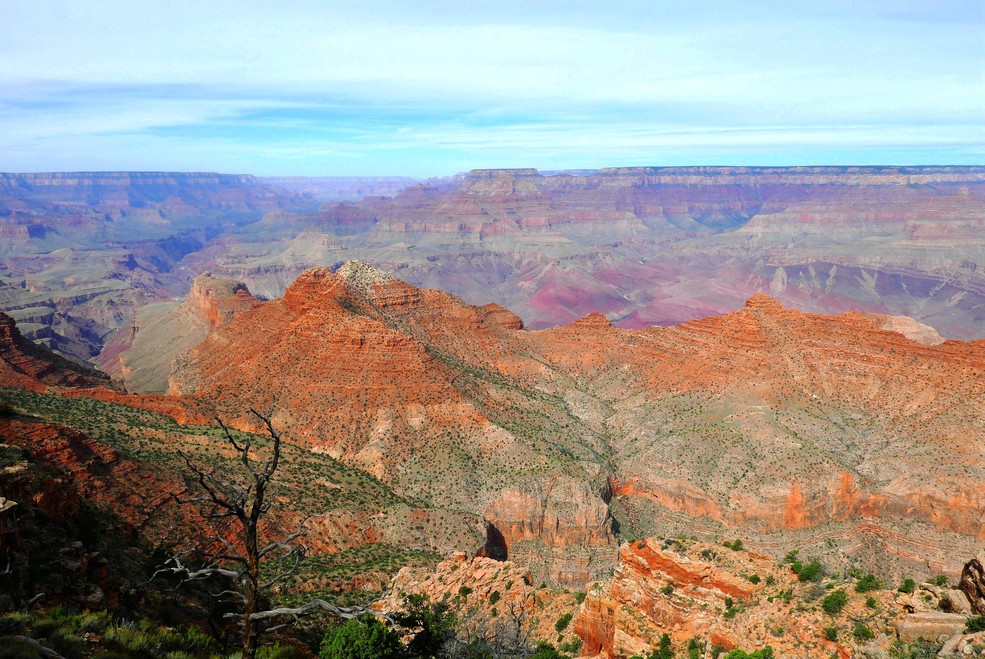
764, 653
862, 633
831, 633
834, 602
562, 622
14, 623
493, 597
921, 649
664, 651
975, 625
365, 638
668, 590
66, 644
908, 586
754, 579
871, 602
941, 580
572, 647
278, 651
580, 596
813, 571
867, 583
696, 649
545, 650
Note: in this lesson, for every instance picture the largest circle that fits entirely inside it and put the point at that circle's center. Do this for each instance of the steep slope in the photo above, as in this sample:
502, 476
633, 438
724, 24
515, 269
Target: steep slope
24, 364
161, 332
793, 429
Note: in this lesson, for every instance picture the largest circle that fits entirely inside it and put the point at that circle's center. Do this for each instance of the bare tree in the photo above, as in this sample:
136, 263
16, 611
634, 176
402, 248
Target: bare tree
239, 546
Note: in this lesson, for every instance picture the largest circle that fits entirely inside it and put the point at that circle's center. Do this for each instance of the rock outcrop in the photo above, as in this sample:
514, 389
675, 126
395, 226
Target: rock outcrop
972, 583
24, 364
161, 333
765, 420
560, 528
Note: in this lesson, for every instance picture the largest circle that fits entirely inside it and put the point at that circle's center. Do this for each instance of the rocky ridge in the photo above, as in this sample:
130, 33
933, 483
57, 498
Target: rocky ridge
656, 245
766, 421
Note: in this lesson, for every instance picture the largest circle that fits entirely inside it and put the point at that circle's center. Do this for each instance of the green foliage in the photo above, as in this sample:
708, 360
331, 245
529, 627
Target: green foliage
770, 580
941, 580
754, 579
562, 622
908, 586
812, 571
707, 554
921, 649
62, 632
696, 649
975, 625
834, 602
831, 633
862, 633
580, 596
734, 546
668, 590
493, 597
278, 651
572, 647
764, 653
871, 602
867, 583
545, 650
664, 651
434, 625
464, 591
363, 638
791, 557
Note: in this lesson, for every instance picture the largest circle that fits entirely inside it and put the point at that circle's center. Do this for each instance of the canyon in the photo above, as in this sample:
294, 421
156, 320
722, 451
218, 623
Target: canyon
791, 430
594, 378
81, 253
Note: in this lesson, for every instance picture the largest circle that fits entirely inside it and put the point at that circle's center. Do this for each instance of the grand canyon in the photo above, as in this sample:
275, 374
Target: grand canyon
634, 403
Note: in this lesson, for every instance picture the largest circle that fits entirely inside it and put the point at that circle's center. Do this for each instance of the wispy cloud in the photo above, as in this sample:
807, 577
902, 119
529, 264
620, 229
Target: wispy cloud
352, 87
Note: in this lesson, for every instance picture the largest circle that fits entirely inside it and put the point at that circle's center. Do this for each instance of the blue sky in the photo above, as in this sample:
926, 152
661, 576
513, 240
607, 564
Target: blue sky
364, 88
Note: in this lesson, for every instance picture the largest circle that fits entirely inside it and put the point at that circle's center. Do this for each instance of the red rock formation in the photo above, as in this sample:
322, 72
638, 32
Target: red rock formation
87, 470
683, 588
161, 333
766, 419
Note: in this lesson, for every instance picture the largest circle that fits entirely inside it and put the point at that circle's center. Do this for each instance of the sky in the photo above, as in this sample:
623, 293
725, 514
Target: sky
338, 88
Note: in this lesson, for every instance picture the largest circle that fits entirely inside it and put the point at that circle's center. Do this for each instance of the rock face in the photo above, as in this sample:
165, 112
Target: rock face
24, 364
779, 425
162, 332
490, 598
730, 599
560, 527
931, 626
973, 583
